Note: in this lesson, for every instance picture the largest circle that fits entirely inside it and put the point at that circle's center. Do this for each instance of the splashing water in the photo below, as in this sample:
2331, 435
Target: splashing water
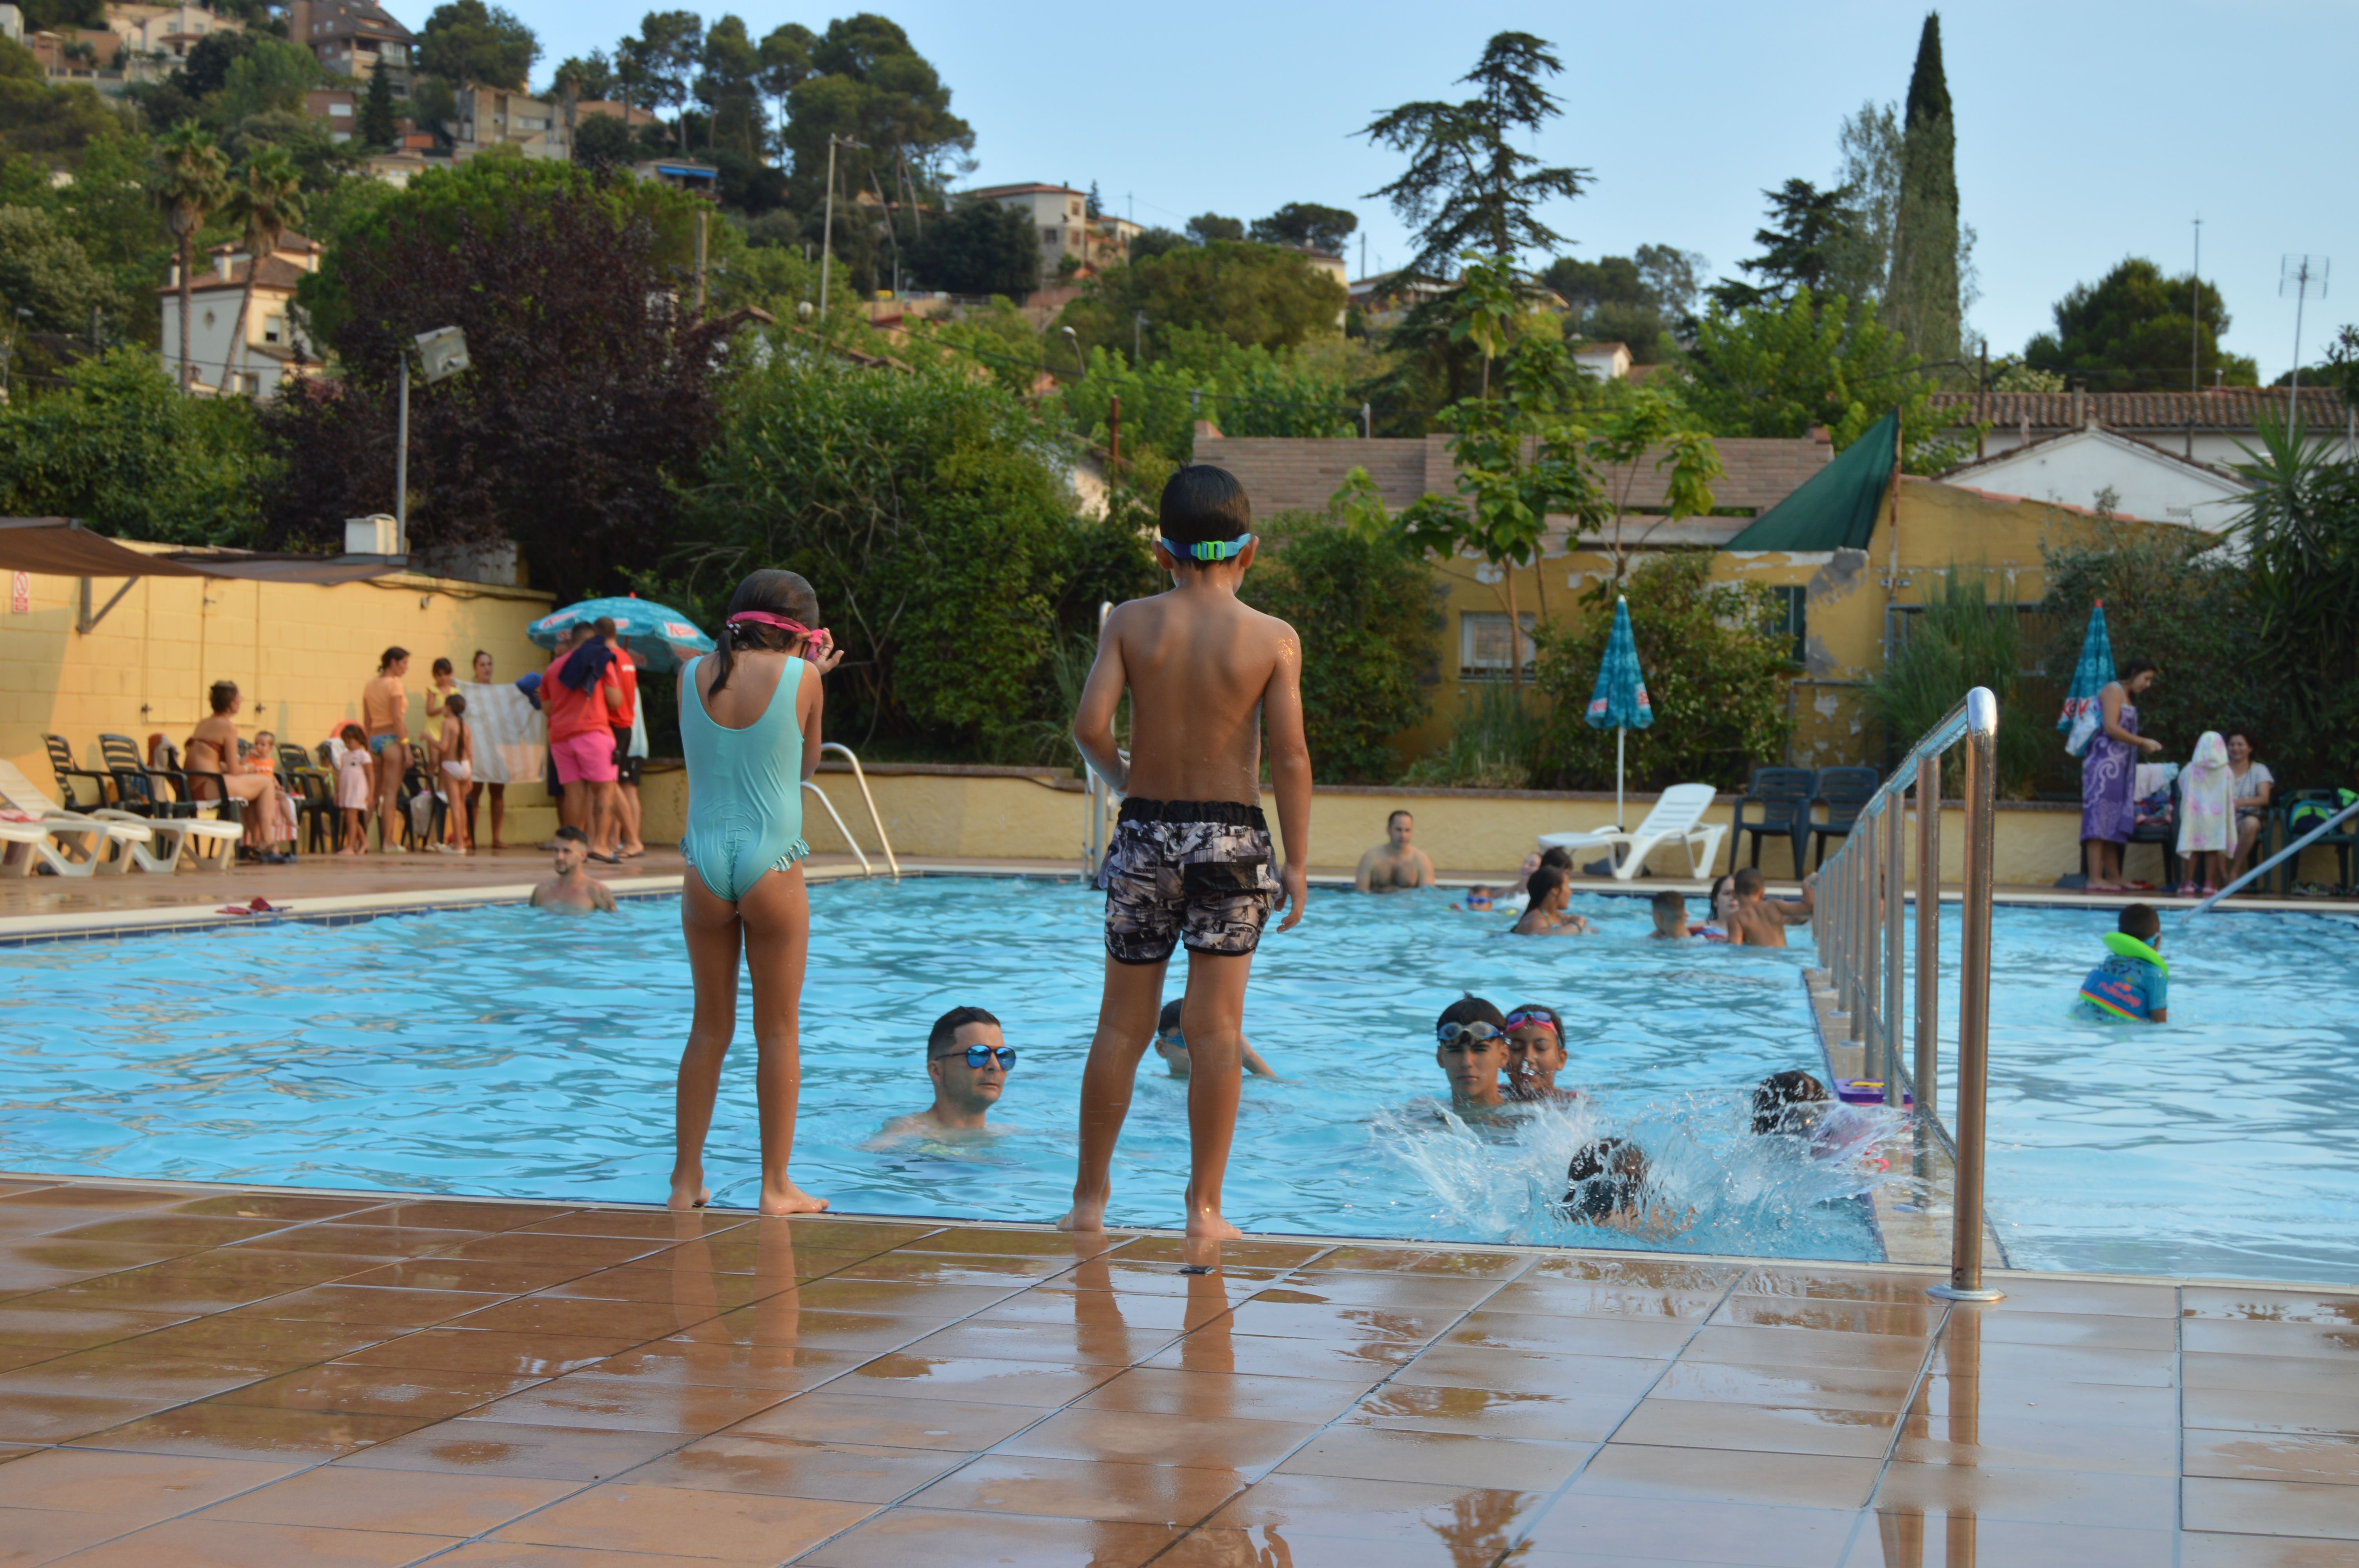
1711, 1185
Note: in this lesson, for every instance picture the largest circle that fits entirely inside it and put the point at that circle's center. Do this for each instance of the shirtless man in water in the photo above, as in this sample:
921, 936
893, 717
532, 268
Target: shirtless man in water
1191, 859
1757, 922
573, 890
1395, 864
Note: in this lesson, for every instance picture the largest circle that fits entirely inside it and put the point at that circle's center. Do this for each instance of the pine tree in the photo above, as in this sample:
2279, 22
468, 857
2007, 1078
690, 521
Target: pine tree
1923, 298
377, 127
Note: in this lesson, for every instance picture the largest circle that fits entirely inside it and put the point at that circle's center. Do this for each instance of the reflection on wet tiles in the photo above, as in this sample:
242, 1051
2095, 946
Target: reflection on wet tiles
551, 1382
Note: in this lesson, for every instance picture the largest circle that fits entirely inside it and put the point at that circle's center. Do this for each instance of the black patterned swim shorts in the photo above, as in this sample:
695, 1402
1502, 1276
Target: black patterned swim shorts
1196, 872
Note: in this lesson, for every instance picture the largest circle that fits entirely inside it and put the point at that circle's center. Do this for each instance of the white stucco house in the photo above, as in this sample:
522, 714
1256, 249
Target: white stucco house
2101, 470
275, 350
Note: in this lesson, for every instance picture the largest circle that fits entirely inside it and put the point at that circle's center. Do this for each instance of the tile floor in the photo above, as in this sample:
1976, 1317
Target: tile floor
207, 1376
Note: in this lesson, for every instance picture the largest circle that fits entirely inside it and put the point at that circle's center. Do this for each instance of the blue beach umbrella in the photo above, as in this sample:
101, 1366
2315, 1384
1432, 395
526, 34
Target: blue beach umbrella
1620, 696
2081, 714
662, 636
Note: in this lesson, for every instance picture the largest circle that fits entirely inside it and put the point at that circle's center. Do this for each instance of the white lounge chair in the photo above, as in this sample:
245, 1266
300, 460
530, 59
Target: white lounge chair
65, 842
1676, 819
152, 844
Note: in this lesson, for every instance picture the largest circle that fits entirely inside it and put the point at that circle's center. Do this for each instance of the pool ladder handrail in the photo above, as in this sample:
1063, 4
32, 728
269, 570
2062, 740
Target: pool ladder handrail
1860, 937
884, 842
1103, 801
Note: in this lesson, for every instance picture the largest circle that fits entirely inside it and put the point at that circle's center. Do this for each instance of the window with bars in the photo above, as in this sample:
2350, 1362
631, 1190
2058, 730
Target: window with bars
1485, 645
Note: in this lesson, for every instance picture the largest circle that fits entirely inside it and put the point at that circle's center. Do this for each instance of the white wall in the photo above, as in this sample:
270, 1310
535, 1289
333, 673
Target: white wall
212, 318
2145, 484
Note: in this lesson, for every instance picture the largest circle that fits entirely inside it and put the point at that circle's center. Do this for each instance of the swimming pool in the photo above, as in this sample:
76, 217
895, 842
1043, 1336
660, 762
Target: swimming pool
502, 1050
2222, 1143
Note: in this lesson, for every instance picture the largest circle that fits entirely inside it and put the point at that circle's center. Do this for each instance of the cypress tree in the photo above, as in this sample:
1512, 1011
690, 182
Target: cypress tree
377, 117
1923, 297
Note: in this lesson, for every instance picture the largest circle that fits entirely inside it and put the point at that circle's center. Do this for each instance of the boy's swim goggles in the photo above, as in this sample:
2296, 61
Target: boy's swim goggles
1209, 549
1474, 1034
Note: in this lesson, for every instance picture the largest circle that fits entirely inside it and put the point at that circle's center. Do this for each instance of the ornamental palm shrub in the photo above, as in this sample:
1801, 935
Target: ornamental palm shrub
1716, 663
1961, 640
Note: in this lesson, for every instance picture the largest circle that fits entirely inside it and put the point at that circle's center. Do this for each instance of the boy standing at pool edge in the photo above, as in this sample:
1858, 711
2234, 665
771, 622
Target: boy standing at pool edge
1192, 857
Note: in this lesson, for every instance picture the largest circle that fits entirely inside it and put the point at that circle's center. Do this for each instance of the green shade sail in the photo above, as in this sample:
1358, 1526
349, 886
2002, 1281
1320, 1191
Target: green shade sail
1835, 508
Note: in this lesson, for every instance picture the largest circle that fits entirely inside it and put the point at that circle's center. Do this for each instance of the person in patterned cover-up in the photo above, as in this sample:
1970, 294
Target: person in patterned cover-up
2109, 776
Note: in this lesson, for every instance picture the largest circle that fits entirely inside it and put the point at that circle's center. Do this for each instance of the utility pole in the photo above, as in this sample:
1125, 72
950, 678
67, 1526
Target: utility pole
1138, 320
827, 225
701, 217
2298, 273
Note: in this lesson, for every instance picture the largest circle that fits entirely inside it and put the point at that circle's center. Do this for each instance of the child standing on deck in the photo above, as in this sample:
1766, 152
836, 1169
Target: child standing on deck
749, 729
1191, 859
2134, 982
355, 787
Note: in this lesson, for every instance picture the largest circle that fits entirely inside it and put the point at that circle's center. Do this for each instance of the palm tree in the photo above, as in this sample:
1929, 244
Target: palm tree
190, 182
266, 200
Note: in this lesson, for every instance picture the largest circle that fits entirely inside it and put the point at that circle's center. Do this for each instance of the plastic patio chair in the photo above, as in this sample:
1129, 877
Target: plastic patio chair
140, 789
2165, 832
313, 789
1844, 792
63, 765
1783, 798
1677, 819
2292, 823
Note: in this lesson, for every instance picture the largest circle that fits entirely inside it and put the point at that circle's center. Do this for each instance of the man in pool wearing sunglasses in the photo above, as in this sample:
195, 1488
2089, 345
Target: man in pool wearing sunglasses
1470, 1048
968, 1061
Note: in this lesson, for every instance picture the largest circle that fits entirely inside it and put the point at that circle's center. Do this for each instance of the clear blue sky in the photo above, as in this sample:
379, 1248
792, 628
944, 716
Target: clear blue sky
2086, 131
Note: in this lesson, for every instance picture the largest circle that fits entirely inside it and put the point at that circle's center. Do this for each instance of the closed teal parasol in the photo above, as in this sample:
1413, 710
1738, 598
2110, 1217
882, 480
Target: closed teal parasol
1619, 700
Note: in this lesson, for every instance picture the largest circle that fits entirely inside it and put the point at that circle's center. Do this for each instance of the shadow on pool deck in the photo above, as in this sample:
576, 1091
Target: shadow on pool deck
219, 1375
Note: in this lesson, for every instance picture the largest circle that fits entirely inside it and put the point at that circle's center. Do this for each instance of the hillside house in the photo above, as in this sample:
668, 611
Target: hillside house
273, 349
354, 38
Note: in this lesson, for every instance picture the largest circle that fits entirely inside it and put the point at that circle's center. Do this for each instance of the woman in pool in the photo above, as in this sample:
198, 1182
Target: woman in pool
749, 727
1721, 906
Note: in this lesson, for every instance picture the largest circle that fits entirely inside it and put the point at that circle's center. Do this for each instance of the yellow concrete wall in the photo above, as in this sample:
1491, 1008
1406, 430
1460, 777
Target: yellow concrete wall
299, 652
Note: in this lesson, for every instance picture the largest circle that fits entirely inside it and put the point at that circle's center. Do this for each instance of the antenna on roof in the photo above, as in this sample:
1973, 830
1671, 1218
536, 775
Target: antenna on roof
2299, 274
2195, 314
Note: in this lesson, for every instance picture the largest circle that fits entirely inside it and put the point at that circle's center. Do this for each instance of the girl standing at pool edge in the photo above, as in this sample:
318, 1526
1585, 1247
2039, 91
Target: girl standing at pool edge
749, 728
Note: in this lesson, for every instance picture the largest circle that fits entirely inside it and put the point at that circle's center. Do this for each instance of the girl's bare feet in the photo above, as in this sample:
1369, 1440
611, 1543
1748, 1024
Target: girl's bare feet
1087, 1213
1207, 1223
688, 1191
784, 1197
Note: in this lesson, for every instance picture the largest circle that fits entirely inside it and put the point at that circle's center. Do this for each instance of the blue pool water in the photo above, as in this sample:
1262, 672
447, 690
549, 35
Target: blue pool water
499, 1050
502, 1051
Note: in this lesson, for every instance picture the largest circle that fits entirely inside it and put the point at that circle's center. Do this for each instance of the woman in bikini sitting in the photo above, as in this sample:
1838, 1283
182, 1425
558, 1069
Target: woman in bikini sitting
212, 749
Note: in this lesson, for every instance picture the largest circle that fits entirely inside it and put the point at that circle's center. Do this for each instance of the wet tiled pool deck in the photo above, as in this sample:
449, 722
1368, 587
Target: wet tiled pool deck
201, 1375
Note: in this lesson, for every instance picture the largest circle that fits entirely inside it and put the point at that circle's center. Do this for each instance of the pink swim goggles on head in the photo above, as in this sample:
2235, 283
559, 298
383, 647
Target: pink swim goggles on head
1517, 1019
819, 636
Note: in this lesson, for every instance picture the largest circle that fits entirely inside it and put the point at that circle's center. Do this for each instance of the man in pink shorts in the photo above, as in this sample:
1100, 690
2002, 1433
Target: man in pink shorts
580, 737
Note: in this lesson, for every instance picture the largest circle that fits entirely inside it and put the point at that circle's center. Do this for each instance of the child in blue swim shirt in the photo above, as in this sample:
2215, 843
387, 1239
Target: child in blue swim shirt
2134, 982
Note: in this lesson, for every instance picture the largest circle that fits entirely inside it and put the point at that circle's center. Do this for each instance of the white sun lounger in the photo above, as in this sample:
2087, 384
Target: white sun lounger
1676, 819
152, 844
66, 842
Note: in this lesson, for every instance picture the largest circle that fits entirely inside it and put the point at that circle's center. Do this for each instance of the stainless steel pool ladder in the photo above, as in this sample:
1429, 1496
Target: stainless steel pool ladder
884, 842
1861, 944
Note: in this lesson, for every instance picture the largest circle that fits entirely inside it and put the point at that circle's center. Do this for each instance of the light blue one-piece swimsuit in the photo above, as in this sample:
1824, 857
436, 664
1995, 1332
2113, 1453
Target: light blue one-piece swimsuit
744, 789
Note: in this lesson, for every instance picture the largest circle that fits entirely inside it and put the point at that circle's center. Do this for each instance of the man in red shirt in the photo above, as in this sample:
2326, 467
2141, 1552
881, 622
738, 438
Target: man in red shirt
627, 845
582, 739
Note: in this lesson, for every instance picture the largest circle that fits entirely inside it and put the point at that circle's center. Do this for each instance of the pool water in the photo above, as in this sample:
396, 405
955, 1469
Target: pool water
2223, 1142
506, 1052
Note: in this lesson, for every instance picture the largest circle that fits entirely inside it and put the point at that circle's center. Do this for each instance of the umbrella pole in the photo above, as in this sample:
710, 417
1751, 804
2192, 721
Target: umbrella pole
1621, 740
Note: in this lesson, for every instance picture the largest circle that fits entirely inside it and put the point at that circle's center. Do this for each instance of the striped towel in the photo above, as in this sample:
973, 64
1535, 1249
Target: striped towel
511, 736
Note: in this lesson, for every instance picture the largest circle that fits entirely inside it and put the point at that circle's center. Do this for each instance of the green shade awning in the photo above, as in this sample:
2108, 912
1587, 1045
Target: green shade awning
1835, 508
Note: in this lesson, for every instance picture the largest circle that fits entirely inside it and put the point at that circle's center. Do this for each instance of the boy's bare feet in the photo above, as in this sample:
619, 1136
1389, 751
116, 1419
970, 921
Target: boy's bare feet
1087, 1213
689, 1194
784, 1197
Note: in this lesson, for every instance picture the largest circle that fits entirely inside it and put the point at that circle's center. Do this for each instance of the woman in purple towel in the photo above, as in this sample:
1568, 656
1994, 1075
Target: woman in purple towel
2109, 776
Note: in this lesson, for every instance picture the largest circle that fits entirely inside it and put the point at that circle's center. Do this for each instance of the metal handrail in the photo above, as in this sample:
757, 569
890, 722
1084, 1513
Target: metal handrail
1862, 943
876, 817
1098, 834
